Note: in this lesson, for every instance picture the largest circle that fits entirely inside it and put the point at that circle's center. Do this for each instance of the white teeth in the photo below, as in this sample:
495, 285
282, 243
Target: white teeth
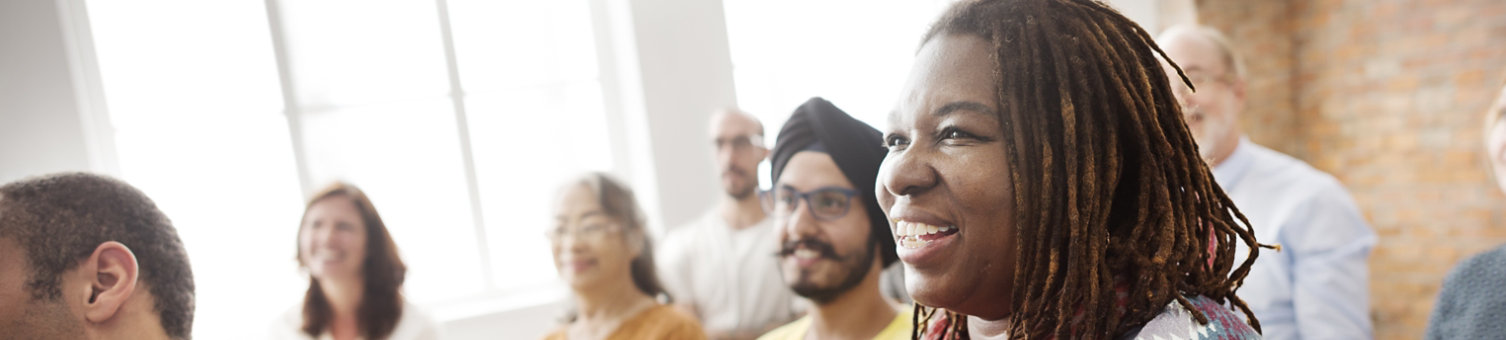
909, 233
906, 229
803, 253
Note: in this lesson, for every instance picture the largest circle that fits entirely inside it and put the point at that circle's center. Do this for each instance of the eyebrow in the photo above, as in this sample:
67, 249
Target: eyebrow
954, 107
951, 108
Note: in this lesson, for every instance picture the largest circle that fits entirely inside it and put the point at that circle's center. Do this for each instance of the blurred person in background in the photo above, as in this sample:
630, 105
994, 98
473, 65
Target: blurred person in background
1472, 303
834, 240
355, 275
602, 250
84, 256
1041, 184
1317, 286
718, 267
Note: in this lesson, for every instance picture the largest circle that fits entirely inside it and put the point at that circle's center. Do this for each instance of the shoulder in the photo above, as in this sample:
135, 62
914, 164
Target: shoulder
557, 334
1484, 271
1471, 300
1280, 170
289, 324
665, 322
416, 323
686, 234
793, 330
901, 327
1177, 322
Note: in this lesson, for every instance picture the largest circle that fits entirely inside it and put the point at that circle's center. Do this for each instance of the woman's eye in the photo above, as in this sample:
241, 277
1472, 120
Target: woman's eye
894, 142
955, 133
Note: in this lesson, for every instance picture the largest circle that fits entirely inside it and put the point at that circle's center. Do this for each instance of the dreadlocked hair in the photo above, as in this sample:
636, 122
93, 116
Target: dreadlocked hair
1132, 209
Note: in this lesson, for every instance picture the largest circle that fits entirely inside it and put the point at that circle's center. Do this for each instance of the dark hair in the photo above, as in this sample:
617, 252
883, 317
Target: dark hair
618, 202
1094, 128
60, 219
382, 273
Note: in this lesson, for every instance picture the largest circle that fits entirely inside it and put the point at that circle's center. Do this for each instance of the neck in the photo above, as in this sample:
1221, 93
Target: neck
344, 297
615, 300
1225, 149
742, 213
979, 328
136, 319
860, 313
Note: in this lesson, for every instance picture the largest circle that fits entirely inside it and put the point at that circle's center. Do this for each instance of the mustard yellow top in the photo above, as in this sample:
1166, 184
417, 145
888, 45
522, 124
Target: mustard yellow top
898, 329
657, 322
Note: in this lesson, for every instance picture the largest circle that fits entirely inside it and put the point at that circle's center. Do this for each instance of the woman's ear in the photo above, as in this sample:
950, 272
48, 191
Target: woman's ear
636, 240
113, 272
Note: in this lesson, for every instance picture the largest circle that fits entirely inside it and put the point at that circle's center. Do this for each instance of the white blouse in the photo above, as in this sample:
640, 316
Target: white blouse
415, 324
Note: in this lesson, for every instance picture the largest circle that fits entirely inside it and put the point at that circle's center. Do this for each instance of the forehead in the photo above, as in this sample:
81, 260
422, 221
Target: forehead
810, 170
576, 200
337, 205
731, 124
949, 68
1192, 51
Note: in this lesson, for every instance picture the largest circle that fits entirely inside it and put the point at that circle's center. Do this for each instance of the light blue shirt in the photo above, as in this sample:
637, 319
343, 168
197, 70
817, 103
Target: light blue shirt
1317, 287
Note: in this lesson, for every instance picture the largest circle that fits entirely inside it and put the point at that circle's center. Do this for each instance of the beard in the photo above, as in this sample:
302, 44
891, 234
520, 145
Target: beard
1210, 133
857, 267
738, 191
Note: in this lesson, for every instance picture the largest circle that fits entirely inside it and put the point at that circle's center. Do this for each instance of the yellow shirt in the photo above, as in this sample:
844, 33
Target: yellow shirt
899, 329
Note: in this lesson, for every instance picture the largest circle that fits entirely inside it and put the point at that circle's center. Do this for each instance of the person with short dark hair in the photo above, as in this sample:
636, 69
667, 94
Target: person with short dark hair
84, 256
603, 252
718, 266
355, 275
834, 240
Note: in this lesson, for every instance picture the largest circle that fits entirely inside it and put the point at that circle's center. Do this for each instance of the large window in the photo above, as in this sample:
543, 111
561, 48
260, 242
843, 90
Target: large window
855, 53
230, 113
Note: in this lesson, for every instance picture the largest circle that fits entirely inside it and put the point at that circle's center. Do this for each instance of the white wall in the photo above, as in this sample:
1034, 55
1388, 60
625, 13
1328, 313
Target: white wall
40, 127
684, 71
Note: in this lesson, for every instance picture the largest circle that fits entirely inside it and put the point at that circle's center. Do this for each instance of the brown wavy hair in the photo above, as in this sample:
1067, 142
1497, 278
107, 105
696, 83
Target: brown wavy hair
382, 273
1130, 206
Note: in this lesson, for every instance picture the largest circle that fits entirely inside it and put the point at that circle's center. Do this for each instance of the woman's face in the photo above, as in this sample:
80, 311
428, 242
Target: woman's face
332, 241
1495, 140
945, 184
590, 247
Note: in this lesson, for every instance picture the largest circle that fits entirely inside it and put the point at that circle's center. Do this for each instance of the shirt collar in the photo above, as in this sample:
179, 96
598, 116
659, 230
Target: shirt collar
1233, 168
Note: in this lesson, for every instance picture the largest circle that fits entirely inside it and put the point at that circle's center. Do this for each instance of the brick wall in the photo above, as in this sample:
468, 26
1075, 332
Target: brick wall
1388, 96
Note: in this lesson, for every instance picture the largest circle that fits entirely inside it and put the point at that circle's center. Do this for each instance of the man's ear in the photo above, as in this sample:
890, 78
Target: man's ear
112, 271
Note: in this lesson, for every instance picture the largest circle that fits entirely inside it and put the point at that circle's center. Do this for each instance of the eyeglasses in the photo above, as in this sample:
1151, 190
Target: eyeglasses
1199, 80
827, 203
591, 232
738, 143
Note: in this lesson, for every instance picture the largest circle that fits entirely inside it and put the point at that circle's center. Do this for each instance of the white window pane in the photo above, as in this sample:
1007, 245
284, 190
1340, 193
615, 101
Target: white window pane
351, 52
516, 44
782, 57
228, 183
406, 156
166, 55
193, 97
526, 143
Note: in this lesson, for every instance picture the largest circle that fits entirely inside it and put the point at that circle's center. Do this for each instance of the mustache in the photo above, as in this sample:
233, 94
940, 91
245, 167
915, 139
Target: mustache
787, 248
735, 171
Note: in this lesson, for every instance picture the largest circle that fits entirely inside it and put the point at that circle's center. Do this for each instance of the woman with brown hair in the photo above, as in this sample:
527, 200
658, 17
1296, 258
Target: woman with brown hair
603, 252
355, 274
1041, 184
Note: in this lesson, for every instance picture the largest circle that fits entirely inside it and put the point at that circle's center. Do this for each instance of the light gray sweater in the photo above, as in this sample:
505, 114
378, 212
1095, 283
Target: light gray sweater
1472, 304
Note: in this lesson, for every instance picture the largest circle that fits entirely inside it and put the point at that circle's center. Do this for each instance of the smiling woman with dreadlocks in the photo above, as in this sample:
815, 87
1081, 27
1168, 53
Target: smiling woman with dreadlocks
1041, 184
